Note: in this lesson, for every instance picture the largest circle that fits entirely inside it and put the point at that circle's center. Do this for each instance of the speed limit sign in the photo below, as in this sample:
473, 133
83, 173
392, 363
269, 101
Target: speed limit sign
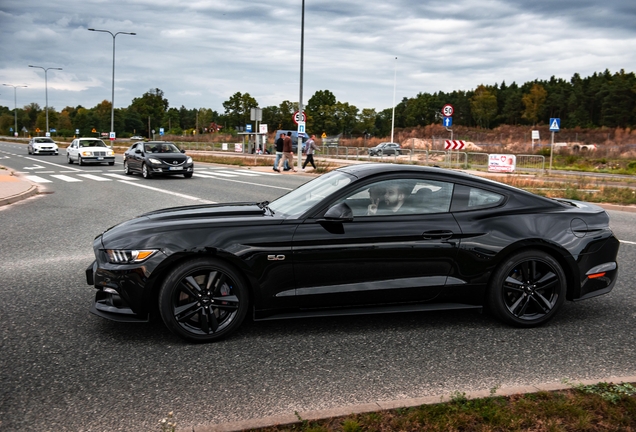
448, 110
299, 118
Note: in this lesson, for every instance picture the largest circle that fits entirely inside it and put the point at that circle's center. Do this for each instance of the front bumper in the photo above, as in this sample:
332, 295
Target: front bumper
45, 151
98, 159
171, 170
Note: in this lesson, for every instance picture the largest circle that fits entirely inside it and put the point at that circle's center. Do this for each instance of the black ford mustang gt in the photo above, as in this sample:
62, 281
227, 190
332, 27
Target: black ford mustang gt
369, 238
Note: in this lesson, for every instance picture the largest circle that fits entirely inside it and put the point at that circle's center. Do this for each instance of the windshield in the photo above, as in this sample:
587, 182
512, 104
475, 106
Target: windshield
298, 201
161, 148
92, 143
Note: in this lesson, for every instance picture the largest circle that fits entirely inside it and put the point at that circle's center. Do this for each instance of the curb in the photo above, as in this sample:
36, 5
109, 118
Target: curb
289, 419
33, 190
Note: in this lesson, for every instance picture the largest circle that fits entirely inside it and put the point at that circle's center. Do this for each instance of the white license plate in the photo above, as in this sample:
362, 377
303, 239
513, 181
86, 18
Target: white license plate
175, 168
100, 158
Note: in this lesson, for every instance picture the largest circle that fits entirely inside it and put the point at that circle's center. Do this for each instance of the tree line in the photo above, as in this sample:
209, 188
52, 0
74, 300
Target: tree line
600, 100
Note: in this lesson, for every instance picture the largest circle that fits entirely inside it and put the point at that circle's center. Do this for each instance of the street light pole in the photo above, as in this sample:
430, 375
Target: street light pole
112, 98
46, 91
299, 148
15, 105
394, 84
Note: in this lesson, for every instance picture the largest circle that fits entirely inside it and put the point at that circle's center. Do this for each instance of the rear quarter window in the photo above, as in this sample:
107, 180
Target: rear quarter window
472, 198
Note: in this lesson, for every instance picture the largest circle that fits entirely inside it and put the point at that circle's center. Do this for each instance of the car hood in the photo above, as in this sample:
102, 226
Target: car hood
158, 228
168, 157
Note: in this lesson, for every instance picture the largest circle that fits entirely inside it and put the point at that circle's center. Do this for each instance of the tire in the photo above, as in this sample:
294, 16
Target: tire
203, 300
187, 175
111, 163
527, 289
145, 172
80, 162
68, 159
126, 168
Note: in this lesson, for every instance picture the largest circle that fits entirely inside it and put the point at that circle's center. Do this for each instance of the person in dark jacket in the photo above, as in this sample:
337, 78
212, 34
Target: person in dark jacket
288, 151
279, 152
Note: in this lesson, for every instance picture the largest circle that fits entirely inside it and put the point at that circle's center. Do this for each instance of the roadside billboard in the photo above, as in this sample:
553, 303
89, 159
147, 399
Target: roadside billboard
501, 163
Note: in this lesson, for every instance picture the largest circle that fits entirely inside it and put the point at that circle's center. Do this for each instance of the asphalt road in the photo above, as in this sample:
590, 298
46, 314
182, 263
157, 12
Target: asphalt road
62, 368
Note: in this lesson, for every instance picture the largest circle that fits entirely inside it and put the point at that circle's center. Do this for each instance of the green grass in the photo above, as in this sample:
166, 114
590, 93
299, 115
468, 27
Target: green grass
599, 407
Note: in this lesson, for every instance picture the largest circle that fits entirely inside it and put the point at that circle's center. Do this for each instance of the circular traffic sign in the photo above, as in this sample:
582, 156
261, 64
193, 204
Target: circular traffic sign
297, 117
448, 110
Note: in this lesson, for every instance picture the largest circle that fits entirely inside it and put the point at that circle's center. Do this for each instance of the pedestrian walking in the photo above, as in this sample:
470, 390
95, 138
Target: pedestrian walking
288, 152
310, 147
279, 151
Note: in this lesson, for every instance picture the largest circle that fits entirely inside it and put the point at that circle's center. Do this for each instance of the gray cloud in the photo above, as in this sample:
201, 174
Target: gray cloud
201, 52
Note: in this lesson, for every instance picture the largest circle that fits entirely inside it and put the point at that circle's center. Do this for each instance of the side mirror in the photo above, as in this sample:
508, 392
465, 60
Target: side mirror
137, 151
340, 212
182, 151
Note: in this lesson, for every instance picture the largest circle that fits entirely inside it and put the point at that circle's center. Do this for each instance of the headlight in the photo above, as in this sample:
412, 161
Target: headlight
189, 160
154, 161
129, 256
111, 153
86, 153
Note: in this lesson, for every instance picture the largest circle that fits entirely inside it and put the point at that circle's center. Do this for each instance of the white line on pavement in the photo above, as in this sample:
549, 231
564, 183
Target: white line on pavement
167, 192
37, 179
66, 178
94, 177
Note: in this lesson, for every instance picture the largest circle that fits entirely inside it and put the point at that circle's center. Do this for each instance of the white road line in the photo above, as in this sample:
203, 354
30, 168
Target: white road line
243, 173
66, 178
628, 242
211, 176
94, 177
37, 179
223, 175
121, 177
167, 192
54, 164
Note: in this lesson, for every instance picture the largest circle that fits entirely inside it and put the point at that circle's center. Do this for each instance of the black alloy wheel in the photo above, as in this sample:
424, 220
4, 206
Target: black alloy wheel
126, 168
527, 289
203, 300
145, 172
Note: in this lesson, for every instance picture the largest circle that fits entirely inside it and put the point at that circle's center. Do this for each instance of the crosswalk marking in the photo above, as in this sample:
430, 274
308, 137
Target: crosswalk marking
221, 174
37, 179
243, 173
66, 178
94, 177
121, 177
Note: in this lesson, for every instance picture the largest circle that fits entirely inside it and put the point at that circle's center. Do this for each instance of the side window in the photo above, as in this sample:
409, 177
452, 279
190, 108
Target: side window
401, 197
472, 198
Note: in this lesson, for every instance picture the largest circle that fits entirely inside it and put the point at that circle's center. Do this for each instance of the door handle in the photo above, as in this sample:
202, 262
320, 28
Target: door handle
437, 235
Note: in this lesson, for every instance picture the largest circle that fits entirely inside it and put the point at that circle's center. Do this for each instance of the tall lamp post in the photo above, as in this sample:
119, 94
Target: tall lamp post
300, 97
15, 105
46, 91
394, 83
112, 98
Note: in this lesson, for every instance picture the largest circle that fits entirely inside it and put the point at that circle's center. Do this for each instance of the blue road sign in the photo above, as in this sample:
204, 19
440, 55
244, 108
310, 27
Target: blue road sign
160, 131
448, 121
555, 124
248, 128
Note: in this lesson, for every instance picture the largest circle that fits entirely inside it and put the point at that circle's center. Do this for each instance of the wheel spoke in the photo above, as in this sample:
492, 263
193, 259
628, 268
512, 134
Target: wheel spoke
187, 311
515, 305
228, 303
193, 283
542, 302
547, 280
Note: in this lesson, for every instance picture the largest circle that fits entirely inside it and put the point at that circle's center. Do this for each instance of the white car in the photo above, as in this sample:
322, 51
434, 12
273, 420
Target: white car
89, 150
42, 145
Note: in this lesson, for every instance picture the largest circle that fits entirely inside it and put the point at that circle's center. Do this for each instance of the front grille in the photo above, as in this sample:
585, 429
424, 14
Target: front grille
174, 162
99, 153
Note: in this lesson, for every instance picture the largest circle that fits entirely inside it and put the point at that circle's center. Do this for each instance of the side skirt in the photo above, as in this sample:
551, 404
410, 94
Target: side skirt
311, 313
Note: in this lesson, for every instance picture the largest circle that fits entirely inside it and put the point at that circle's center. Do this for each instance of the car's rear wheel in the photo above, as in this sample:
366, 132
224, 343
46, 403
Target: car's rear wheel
126, 168
68, 159
80, 162
203, 300
527, 289
145, 172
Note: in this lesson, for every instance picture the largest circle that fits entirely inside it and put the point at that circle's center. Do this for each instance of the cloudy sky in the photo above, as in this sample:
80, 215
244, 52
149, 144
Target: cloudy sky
200, 52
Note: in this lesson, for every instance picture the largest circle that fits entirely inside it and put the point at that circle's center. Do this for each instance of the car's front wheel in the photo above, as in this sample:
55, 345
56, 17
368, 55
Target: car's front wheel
145, 172
187, 175
203, 300
527, 289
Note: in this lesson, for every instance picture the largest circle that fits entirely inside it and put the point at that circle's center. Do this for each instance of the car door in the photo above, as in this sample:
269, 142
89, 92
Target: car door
71, 151
132, 157
386, 257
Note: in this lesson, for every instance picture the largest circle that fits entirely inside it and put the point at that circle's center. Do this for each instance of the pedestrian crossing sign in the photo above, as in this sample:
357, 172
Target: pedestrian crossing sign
555, 124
